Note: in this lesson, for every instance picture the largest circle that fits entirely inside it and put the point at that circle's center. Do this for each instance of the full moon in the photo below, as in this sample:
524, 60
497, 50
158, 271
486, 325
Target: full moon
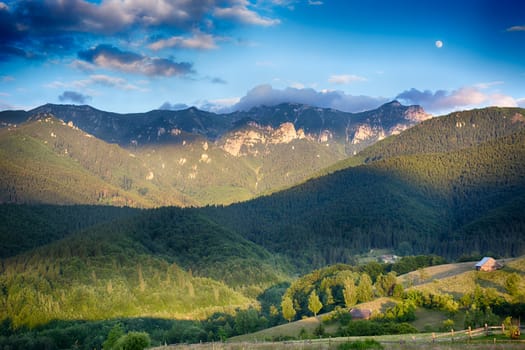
439, 44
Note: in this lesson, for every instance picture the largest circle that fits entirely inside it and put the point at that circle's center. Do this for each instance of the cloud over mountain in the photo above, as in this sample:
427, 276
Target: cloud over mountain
443, 100
267, 95
73, 96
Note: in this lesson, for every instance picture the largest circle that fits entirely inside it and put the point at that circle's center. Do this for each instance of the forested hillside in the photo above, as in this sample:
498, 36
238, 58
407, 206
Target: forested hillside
164, 263
448, 203
25, 227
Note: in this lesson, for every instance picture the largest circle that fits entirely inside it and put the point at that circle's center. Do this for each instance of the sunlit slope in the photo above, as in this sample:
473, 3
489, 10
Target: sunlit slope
48, 161
162, 263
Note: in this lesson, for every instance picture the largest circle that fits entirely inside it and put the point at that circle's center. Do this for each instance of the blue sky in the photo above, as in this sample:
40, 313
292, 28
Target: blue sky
224, 55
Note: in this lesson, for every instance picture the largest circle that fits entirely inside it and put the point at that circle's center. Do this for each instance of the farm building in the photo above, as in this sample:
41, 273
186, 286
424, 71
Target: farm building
360, 314
488, 264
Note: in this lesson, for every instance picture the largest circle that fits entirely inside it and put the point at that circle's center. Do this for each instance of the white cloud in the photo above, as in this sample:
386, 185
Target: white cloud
239, 12
345, 79
516, 29
502, 100
219, 105
105, 80
267, 95
521, 102
488, 85
297, 85
83, 66
198, 41
57, 85
111, 57
442, 101
314, 3
7, 78
96, 79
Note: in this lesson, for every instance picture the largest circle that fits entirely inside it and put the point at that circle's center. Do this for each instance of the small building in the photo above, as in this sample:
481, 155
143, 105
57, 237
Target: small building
488, 264
388, 258
361, 314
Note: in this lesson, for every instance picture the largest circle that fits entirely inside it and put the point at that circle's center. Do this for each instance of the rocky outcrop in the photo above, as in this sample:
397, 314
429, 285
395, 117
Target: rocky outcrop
244, 142
365, 132
416, 114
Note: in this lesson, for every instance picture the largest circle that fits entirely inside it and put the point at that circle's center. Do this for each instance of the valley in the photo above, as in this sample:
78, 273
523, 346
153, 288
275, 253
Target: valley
100, 236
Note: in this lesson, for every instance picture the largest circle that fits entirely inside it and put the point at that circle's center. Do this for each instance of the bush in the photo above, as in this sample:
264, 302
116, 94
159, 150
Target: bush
133, 341
319, 331
365, 344
369, 328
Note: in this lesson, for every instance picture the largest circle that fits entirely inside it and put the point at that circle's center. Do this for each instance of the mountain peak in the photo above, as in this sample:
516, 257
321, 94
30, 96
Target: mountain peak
394, 103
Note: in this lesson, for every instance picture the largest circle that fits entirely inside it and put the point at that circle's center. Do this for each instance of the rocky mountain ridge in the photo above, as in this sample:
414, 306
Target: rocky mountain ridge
267, 125
188, 157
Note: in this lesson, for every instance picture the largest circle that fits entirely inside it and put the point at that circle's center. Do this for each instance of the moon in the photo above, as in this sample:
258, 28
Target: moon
439, 44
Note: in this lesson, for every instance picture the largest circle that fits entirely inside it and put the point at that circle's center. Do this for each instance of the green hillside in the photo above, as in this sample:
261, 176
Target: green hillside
449, 133
25, 227
48, 161
163, 263
442, 134
426, 203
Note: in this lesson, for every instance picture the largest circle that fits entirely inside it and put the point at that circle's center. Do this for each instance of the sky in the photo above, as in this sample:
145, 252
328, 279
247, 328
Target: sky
224, 55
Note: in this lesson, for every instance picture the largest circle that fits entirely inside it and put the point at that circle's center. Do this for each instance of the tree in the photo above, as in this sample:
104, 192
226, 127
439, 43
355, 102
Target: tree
288, 309
246, 321
349, 292
398, 291
364, 289
113, 336
314, 304
133, 341
512, 284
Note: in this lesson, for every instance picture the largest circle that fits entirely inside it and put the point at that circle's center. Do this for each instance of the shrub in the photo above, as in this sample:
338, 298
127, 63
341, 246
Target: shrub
365, 344
133, 341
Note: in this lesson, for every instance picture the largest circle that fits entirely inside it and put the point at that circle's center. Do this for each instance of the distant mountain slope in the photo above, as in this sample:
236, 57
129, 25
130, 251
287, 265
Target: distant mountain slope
448, 133
452, 132
182, 158
49, 161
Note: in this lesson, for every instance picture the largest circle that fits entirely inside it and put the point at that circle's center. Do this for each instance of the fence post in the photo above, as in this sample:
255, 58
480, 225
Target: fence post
452, 333
486, 329
469, 332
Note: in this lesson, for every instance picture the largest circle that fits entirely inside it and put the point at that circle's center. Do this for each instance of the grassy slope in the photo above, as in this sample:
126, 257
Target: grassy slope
457, 279
466, 278
47, 161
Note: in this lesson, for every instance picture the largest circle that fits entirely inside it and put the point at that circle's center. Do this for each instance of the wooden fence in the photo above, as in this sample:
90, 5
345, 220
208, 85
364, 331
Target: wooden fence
330, 343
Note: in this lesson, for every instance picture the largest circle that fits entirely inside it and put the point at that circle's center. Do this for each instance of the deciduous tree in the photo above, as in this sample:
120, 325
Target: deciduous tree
314, 304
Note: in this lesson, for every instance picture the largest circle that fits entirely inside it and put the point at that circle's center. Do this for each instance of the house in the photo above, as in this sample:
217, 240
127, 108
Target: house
488, 264
360, 314
389, 258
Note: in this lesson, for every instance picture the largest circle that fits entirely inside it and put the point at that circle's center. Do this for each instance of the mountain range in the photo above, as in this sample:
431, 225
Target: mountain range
187, 157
